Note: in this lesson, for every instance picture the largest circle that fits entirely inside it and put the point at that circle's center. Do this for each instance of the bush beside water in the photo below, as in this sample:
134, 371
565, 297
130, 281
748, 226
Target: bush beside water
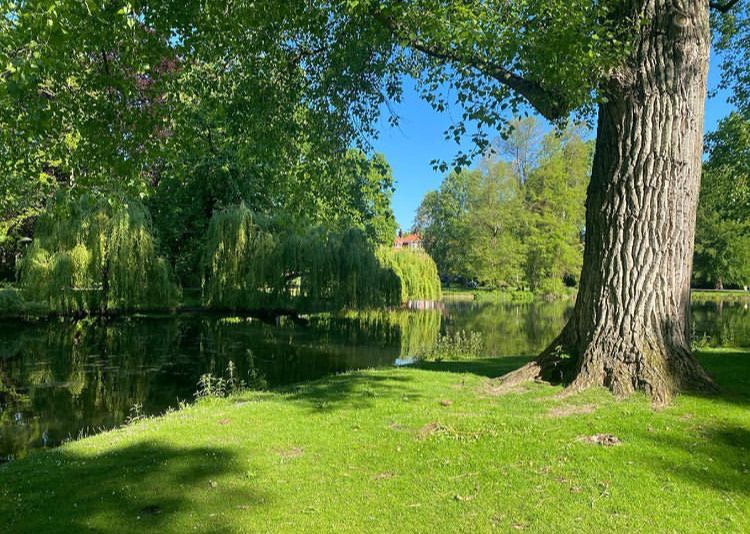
460, 345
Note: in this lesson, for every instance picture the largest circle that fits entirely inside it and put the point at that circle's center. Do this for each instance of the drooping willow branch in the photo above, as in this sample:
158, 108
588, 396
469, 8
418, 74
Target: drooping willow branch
94, 256
253, 263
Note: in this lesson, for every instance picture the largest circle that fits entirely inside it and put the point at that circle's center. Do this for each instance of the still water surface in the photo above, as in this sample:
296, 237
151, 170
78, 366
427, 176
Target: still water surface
64, 379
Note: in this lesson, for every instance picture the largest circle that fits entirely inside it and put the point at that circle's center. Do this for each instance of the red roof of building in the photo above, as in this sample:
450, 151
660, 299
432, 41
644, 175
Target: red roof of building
406, 239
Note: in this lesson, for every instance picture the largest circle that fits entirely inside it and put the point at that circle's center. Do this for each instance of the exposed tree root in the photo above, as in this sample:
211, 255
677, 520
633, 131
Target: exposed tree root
660, 374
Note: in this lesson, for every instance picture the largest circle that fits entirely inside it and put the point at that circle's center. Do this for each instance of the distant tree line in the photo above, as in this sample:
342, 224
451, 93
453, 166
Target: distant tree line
517, 220
722, 241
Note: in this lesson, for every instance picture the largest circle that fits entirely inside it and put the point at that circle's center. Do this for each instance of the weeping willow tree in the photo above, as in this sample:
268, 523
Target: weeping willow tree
95, 255
240, 261
416, 272
256, 262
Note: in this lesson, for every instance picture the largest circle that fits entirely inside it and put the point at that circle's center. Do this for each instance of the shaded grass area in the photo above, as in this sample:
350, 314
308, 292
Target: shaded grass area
408, 450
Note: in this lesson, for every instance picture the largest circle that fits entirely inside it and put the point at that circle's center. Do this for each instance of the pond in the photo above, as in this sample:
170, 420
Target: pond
64, 379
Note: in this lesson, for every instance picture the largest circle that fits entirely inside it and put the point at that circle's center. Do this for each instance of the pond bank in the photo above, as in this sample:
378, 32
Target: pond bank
404, 449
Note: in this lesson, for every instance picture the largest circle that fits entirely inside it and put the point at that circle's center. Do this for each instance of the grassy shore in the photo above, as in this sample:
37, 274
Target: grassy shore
715, 294
405, 450
488, 295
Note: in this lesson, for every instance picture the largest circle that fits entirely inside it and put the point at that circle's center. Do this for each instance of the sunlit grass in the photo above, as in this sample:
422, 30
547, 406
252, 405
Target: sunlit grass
405, 450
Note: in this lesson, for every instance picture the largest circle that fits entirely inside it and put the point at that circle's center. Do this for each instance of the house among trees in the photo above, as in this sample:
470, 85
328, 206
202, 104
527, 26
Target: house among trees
410, 241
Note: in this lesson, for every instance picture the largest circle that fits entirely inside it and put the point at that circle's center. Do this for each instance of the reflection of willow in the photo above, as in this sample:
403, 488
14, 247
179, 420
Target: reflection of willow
12, 402
83, 375
510, 329
330, 343
416, 331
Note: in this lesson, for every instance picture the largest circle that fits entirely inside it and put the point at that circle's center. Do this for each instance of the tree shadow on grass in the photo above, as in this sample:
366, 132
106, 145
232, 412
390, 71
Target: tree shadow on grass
716, 457
730, 368
351, 390
489, 367
138, 487
712, 449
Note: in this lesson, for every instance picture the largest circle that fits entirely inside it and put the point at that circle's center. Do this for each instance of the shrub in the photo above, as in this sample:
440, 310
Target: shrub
461, 345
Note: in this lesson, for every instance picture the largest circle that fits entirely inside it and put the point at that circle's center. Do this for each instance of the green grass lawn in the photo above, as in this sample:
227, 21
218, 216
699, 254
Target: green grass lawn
712, 294
405, 450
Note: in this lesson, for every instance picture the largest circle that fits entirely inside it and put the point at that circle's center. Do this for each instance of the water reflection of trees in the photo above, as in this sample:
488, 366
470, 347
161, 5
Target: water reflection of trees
723, 324
73, 377
60, 379
66, 378
510, 329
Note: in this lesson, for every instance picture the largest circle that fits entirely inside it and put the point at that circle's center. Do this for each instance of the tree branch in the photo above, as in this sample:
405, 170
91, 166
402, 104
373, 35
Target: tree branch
547, 103
723, 7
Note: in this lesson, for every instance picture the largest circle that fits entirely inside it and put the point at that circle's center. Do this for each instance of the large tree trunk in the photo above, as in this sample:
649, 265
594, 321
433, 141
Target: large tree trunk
630, 327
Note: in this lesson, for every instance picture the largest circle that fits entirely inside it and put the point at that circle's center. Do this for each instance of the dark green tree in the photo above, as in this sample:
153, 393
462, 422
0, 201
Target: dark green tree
722, 244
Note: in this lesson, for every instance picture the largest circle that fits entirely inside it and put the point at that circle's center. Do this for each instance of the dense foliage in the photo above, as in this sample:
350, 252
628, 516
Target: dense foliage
96, 255
175, 104
257, 262
722, 245
513, 224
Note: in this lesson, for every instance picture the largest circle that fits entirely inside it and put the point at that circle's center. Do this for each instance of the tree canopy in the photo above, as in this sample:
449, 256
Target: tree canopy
514, 224
722, 247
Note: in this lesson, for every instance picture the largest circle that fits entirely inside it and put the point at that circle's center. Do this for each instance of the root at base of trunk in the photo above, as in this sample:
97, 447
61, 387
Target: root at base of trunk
659, 377
554, 365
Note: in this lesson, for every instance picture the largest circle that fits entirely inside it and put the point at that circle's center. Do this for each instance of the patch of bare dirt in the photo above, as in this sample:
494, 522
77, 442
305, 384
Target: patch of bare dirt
605, 440
565, 411
430, 429
497, 387
294, 452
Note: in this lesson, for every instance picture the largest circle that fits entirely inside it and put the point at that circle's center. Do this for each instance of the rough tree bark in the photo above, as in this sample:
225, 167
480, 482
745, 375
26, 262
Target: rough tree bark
630, 327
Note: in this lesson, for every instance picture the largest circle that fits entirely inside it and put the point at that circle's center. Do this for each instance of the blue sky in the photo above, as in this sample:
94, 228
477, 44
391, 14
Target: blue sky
418, 140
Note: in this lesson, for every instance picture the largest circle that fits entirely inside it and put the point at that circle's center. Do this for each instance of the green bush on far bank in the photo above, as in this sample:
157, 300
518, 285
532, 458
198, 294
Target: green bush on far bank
13, 304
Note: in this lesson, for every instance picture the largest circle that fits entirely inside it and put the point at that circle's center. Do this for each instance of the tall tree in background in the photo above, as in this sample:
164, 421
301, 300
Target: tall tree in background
520, 146
722, 247
493, 227
555, 194
490, 226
